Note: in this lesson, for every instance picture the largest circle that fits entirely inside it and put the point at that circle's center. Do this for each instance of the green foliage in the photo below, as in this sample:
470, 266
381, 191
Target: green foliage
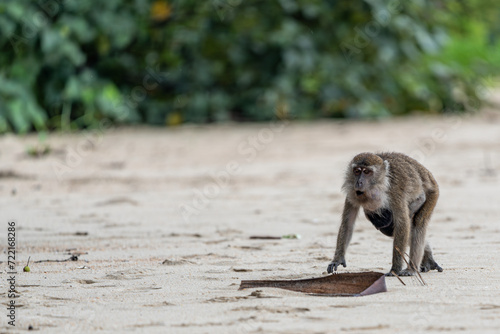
68, 64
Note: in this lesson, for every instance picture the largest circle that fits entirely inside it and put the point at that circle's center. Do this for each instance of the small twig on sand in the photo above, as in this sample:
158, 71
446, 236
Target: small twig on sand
264, 237
72, 258
394, 273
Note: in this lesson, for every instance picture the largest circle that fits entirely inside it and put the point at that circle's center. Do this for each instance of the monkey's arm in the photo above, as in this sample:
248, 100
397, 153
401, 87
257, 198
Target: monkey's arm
345, 234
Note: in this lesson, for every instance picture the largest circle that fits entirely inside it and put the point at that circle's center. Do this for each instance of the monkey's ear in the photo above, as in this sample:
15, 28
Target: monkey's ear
386, 164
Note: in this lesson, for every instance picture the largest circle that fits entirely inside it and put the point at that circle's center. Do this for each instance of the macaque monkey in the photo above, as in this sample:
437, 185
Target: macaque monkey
398, 196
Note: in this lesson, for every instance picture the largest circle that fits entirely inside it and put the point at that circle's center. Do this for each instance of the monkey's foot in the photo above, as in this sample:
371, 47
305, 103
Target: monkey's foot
404, 272
407, 272
334, 264
429, 264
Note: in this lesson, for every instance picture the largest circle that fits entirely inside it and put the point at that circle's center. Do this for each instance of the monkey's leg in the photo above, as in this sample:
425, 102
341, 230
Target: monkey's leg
418, 230
344, 237
401, 236
417, 243
428, 262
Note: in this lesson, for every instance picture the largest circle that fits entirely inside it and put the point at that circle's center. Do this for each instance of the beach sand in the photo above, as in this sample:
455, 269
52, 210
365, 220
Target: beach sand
159, 221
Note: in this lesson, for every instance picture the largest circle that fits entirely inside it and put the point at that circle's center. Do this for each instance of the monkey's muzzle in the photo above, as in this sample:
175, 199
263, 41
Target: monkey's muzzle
359, 193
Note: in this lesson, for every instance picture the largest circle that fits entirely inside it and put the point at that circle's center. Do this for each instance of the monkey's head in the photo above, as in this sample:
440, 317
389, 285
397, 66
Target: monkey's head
367, 178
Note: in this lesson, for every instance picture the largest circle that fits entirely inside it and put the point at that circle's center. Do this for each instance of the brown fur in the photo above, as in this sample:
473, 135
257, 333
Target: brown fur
397, 183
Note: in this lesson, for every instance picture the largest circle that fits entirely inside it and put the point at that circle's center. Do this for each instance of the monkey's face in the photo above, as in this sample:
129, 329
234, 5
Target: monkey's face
367, 184
363, 179
366, 181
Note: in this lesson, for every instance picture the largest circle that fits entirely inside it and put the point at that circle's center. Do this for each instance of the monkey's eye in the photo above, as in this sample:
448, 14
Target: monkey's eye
357, 171
367, 171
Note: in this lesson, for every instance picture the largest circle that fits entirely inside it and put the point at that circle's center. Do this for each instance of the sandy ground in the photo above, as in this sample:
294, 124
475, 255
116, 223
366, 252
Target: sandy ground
160, 221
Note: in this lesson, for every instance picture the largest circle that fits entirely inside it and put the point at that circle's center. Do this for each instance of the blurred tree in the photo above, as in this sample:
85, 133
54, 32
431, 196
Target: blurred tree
69, 64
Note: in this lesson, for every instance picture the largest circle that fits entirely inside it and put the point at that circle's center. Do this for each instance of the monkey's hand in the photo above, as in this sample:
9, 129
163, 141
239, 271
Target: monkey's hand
334, 264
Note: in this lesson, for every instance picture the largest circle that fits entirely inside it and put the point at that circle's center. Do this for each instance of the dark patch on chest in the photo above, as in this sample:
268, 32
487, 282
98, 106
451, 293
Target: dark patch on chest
382, 221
